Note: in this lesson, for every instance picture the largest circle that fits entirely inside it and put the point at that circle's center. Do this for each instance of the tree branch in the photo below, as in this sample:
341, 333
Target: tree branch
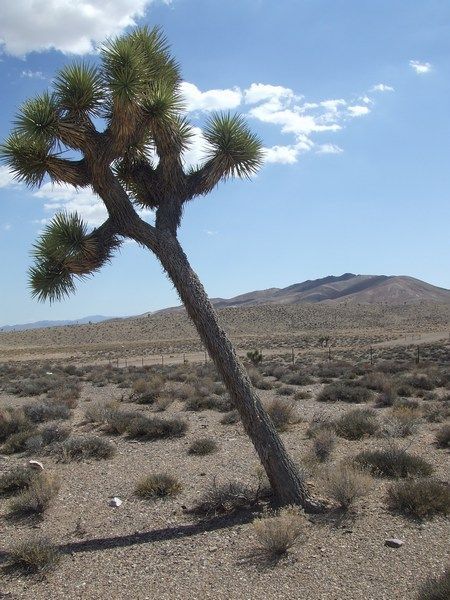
68, 171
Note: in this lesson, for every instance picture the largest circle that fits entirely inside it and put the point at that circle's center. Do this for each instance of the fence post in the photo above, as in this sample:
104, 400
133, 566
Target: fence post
371, 355
293, 356
329, 352
162, 360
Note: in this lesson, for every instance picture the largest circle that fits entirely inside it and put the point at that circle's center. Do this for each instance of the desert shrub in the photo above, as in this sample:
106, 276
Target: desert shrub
202, 446
319, 422
16, 480
275, 369
443, 436
18, 442
67, 395
98, 412
281, 412
51, 434
12, 421
297, 378
152, 428
117, 422
393, 462
145, 391
84, 448
198, 403
162, 403
228, 498
258, 381
37, 497
345, 484
421, 381
391, 366
376, 381
285, 390
387, 396
230, 418
406, 403
255, 357
421, 498
158, 485
302, 395
334, 392
355, 424
38, 413
403, 421
436, 588
436, 412
33, 556
277, 534
323, 444
332, 369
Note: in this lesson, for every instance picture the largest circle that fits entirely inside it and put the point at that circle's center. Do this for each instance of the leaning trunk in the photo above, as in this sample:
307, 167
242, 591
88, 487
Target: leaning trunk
286, 482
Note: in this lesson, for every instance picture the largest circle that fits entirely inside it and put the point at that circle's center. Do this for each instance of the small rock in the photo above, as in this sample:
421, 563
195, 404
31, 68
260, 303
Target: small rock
393, 543
115, 501
35, 464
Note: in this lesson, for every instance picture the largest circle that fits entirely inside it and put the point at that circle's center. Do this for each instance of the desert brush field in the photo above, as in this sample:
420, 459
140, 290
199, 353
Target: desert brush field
147, 486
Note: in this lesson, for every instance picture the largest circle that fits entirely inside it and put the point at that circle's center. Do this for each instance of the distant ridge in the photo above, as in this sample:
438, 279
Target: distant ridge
362, 289
351, 288
45, 324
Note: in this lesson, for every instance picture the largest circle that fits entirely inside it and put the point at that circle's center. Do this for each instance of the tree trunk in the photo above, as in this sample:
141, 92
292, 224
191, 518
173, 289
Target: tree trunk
286, 482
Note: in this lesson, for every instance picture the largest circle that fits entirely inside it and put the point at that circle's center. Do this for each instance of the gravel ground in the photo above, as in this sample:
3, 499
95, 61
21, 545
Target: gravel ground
146, 550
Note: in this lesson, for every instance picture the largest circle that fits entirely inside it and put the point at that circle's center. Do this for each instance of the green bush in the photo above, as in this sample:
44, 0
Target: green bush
357, 423
202, 446
158, 485
344, 393
16, 480
84, 448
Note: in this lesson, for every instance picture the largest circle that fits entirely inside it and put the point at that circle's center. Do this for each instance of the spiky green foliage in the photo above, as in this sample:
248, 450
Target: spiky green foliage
27, 159
64, 250
234, 150
79, 89
37, 120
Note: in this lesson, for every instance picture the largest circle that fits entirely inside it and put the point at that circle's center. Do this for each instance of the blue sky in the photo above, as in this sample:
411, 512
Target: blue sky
350, 98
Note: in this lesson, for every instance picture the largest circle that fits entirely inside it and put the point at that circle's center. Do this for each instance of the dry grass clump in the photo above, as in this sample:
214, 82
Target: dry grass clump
402, 422
145, 391
230, 497
344, 392
46, 411
16, 480
422, 498
436, 588
376, 381
297, 377
345, 485
53, 433
12, 421
37, 497
98, 412
84, 448
257, 379
319, 422
33, 556
117, 422
357, 423
436, 412
285, 390
158, 485
230, 418
302, 395
278, 533
323, 444
202, 446
393, 462
200, 402
153, 428
443, 436
282, 413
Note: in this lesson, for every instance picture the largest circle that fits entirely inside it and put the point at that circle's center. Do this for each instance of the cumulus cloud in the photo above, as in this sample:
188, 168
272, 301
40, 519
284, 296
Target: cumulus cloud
381, 87
6, 178
66, 198
71, 26
329, 149
358, 111
420, 67
211, 100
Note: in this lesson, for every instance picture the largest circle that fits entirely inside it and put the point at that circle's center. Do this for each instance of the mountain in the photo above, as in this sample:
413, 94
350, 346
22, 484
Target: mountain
361, 289
45, 324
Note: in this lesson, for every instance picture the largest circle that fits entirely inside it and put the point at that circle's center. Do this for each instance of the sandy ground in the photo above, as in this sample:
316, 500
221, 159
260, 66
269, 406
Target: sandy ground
147, 550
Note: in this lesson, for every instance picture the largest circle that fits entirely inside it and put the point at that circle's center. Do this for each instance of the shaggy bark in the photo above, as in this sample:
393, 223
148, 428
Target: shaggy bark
286, 482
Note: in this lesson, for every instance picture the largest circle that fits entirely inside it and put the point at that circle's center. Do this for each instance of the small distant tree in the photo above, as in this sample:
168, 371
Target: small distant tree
134, 159
255, 357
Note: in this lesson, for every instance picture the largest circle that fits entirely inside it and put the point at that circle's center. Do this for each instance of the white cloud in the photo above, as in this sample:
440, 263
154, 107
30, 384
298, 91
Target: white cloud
66, 198
259, 92
210, 100
71, 26
381, 87
420, 67
6, 178
358, 111
329, 149
6, 226
286, 155
210, 232
32, 74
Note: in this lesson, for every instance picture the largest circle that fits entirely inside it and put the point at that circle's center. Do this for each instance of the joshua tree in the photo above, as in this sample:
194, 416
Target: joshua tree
134, 159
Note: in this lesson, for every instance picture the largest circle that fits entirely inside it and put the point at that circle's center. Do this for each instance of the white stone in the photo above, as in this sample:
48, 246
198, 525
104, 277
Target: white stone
115, 501
35, 464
